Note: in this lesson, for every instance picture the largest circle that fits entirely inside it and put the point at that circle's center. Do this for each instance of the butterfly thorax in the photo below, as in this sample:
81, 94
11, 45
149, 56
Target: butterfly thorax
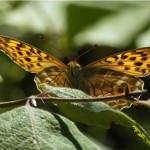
75, 75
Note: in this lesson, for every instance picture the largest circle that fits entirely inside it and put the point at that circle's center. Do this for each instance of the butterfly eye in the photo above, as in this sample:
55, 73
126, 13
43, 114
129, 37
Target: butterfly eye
77, 67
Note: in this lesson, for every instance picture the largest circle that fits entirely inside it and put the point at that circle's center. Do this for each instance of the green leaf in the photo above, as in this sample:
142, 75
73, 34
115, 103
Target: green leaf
93, 113
101, 115
27, 128
63, 91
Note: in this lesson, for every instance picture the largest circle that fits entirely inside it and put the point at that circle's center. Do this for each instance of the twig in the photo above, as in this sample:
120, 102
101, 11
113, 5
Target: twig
41, 96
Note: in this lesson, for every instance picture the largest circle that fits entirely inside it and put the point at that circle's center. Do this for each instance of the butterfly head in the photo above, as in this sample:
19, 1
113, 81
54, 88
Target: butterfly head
75, 76
74, 68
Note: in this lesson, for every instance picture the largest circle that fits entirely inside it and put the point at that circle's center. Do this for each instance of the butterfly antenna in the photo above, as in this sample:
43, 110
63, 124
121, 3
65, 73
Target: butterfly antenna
86, 51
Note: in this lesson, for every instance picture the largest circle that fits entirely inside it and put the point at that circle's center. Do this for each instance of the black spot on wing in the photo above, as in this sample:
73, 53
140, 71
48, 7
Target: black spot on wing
20, 53
20, 60
123, 56
148, 65
47, 57
137, 69
120, 90
143, 71
27, 59
144, 55
18, 48
120, 63
28, 53
144, 58
138, 63
32, 65
126, 68
14, 54
138, 52
39, 59
38, 64
115, 57
132, 58
28, 67
33, 51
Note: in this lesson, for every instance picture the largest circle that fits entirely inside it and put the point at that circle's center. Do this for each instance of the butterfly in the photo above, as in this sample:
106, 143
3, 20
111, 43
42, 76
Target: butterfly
108, 76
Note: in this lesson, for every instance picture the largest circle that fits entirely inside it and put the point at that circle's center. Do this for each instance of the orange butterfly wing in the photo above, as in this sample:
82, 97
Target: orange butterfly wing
54, 76
134, 62
106, 82
113, 74
28, 57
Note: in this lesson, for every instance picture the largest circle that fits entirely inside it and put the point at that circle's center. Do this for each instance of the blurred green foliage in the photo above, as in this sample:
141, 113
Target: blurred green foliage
70, 28
80, 17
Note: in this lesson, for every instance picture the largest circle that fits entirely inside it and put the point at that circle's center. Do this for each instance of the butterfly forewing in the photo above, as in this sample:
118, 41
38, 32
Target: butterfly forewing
27, 56
133, 62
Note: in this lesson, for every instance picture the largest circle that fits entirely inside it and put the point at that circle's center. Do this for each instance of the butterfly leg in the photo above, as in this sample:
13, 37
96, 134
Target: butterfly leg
134, 96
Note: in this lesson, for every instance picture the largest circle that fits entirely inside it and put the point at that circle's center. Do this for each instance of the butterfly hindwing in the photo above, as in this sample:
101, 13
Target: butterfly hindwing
103, 82
54, 76
106, 82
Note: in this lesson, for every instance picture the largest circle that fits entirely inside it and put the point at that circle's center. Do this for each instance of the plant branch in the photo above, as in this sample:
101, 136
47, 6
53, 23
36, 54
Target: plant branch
42, 97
